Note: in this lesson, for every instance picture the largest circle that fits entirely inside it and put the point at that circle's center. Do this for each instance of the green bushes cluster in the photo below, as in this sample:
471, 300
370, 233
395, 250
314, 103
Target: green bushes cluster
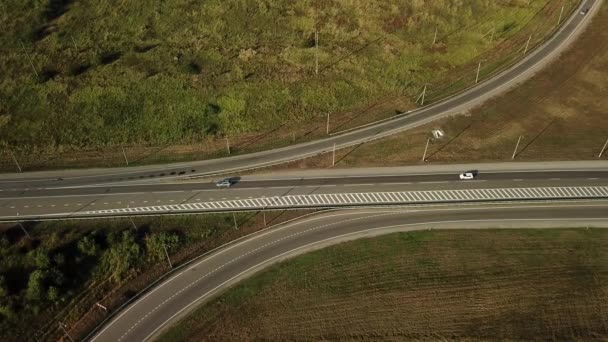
42, 276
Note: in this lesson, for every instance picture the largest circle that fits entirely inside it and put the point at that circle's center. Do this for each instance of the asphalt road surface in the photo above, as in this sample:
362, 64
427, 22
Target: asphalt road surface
70, 201
526, 68
210, 275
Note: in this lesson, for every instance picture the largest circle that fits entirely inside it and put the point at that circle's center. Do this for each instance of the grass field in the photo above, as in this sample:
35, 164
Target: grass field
67, 266
89, 76
430, 285
561, 114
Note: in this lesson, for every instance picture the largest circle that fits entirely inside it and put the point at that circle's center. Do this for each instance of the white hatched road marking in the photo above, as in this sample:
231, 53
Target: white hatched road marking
404, 197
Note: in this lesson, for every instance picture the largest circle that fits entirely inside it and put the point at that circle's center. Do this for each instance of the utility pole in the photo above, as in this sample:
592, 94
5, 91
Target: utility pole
327, 127
516, 146
29, 58
236, 227
167, 254
421, 96
25, 231
133, 223
131, 219
434, 37
101, 307
333, 159
227, 145
559, 20
603, 149
478, 69
15, 160
426, 148
264, 213
492, 36
62, 326
527, 44
125, 155
23, 228
316, 52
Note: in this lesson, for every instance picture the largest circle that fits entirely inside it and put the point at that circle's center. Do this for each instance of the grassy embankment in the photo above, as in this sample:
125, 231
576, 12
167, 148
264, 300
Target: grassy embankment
435, 285
561, 114
167, 79
66, 267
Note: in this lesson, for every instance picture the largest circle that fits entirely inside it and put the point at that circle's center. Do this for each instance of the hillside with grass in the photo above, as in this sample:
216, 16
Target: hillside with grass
92, 74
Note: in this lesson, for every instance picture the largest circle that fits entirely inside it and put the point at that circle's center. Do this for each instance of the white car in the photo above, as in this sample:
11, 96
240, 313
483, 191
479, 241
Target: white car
583, 12
467, 175
225, 183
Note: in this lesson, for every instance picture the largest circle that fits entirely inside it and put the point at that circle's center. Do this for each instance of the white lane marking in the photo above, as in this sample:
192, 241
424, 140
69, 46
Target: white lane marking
385, 198
238, 258
292, 251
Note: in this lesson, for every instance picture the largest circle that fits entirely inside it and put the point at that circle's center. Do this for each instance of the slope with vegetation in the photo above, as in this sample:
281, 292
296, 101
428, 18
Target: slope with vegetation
66, 267
91, 74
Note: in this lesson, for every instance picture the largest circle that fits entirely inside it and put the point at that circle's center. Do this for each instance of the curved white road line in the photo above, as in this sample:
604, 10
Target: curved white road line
355, 216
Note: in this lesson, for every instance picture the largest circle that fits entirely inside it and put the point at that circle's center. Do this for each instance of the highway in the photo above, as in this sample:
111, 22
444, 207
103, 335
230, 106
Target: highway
51, 202
73, 193
210, 275
502, 82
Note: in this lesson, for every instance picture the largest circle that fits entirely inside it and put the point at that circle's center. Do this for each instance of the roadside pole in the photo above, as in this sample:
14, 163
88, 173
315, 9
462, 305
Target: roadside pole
327, 126
15, 160
25, 231
23, 228
316, 52
603, 149
167, 254
527, 44
264, 214
333, 159
516, 146
434, 37
131, 219
422, 96
227, 145
478, 69
426, 148
559, 20
125, 155
236, 227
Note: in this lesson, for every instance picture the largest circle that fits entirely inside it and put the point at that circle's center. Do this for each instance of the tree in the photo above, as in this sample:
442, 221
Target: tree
35, 286
87, 246
122, 256
41, 258
3, 291
155, 242
52, 294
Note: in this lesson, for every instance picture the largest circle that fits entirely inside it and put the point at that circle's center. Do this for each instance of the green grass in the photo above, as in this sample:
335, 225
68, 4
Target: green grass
462, 285
99, 74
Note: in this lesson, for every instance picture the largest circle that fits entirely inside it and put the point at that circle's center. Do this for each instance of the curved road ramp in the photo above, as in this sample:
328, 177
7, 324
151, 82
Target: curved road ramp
364, 199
